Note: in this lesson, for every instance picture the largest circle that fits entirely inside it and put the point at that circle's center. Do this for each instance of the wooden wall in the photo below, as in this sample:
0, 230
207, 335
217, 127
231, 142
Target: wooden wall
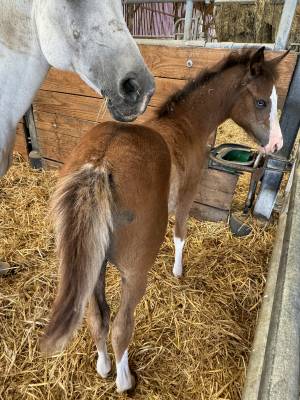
20, 143
65, 107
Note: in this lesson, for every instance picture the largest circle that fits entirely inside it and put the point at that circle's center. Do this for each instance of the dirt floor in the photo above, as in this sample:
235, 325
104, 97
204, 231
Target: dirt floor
193, 335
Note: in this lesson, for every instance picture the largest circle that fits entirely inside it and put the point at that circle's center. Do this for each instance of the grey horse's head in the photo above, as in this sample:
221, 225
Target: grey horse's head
91, 38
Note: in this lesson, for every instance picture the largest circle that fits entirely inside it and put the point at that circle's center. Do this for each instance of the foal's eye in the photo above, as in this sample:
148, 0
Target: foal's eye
261, 103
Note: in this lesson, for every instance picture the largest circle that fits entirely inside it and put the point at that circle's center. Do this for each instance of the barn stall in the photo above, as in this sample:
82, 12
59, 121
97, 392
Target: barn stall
193, 336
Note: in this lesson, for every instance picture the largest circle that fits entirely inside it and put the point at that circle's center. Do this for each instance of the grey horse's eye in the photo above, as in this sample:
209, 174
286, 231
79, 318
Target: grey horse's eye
76, 34
260, 103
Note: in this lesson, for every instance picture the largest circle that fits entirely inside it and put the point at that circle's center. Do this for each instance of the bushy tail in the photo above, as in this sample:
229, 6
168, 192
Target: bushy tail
82, 215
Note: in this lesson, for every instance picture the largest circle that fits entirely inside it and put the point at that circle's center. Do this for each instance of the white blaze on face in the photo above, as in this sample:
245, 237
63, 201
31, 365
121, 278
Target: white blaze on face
275, 138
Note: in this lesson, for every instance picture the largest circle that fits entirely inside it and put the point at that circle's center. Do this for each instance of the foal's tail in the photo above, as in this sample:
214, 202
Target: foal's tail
82, 214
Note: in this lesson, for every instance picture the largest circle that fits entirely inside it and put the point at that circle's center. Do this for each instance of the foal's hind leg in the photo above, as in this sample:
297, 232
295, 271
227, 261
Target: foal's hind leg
181, 216
133, 288
98, 320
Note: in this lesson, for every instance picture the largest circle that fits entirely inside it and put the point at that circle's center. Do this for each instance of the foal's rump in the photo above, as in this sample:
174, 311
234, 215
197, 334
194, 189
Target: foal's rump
111, 199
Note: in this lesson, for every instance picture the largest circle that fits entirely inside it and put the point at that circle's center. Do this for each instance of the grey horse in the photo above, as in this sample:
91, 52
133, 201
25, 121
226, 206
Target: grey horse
89, 37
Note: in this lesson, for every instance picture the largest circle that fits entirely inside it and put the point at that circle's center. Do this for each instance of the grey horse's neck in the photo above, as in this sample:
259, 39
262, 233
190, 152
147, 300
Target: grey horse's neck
22, 69
17, 31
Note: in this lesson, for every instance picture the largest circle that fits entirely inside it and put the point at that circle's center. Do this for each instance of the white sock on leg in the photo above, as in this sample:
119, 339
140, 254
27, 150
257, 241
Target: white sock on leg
177, 269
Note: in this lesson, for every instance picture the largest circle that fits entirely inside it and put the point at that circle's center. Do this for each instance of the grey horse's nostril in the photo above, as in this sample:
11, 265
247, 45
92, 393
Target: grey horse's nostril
130, 89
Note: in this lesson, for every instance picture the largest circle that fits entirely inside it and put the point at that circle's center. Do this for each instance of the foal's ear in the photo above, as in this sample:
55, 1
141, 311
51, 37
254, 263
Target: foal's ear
256, 62
275, 61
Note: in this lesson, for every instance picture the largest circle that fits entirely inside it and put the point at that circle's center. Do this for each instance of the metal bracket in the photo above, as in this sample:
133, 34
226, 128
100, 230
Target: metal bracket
32, 140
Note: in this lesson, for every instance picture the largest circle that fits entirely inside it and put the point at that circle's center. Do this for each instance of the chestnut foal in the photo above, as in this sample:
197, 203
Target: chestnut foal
120, 183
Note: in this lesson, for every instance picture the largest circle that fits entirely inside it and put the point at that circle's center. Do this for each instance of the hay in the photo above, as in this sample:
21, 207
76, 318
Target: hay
254, 23
192, 338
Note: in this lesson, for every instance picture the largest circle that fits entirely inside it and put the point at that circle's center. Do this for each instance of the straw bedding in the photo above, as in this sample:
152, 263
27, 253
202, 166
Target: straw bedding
193, 336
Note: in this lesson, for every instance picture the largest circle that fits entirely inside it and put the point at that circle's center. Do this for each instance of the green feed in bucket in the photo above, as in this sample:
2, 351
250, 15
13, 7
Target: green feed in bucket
238, 156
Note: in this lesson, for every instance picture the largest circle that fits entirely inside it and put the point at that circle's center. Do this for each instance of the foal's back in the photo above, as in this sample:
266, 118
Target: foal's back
138, 162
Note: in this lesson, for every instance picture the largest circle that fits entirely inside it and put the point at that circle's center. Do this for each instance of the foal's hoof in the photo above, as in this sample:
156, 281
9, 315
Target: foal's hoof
103, 365
126, 384
5, 268
177, 271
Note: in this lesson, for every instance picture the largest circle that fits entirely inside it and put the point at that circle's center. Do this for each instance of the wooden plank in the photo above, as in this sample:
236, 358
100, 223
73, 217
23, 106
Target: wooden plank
62, 125
208, 213
169, 67
81, 107
215, 197
218, 180
169, 62
56, 146
213, 201
20, 143
164, 62
70, 83
67, 82
50, 164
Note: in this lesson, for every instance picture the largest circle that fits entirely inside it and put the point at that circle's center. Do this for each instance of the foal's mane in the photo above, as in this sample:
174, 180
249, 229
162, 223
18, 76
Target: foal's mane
242, 57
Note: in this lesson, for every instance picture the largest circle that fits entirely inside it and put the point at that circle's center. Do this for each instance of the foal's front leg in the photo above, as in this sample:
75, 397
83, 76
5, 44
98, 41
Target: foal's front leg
179, 240
181, 217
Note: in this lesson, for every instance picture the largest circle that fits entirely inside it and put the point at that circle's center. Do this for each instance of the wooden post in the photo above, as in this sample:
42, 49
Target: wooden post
285, 25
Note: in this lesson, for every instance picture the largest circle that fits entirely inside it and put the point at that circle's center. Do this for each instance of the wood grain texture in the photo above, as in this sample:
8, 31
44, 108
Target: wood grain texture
58, 134
67, 82
70, 83
81, 107
219, 180
64, 125
20, 143
56, 146
216, 189
208, 213
171, 62
169, 66
168, 62
50, 164
215, 197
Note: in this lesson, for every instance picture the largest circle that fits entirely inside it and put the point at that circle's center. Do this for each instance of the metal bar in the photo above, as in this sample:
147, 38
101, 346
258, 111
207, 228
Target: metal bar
290, 119
32, 140
154, 1
234, 45
188, 19
256, 363
201, 44
290, 124
273, 371
217, 2
285, 24
280, 378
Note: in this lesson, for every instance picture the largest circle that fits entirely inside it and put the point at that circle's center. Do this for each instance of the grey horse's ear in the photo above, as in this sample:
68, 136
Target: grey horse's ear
256, 62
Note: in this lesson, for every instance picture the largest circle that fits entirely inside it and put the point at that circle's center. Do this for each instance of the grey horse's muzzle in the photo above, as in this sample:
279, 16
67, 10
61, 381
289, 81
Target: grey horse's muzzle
134, 94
